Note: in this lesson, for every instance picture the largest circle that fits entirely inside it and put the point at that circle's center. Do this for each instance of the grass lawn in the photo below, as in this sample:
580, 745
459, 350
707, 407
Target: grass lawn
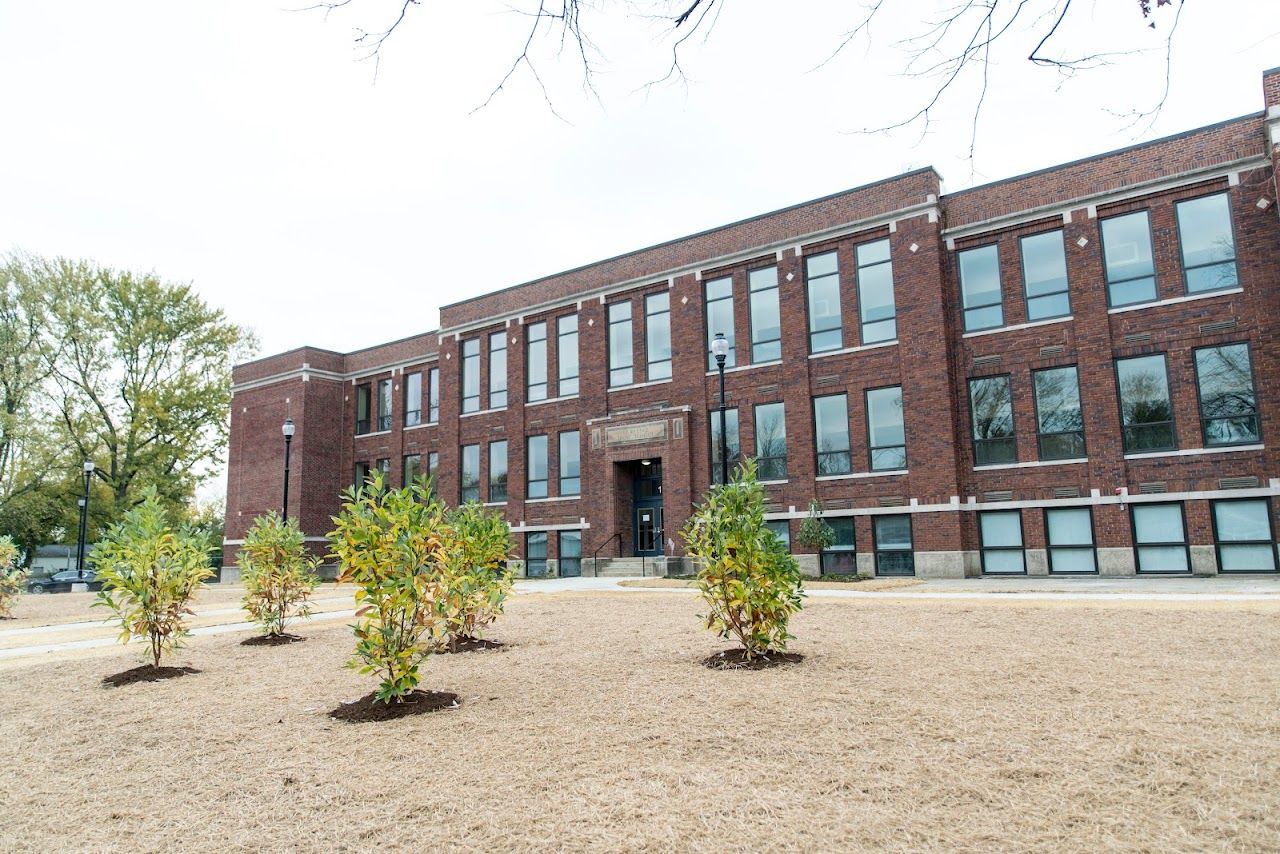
910, 725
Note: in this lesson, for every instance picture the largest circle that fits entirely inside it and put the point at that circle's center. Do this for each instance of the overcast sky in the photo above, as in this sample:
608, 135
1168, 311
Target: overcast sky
241, 147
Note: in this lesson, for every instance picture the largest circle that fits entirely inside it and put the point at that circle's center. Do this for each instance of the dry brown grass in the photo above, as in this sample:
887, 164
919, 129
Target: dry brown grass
910, 725
866, 586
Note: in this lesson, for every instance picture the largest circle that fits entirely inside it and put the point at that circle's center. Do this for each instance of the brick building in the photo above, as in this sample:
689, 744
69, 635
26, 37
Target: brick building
1070, 371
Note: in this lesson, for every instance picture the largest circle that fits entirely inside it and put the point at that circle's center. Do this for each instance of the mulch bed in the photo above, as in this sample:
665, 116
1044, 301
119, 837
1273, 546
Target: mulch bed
368, 710
736, 659
469, 645
272, 640
145, 673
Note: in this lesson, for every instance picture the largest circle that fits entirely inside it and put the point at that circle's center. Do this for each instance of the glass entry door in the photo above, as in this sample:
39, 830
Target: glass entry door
647, 509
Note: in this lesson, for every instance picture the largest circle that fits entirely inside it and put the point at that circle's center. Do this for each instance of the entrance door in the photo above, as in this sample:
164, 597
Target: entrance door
647, 509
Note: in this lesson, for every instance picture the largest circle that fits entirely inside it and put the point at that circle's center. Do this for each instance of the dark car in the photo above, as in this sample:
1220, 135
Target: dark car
61, 582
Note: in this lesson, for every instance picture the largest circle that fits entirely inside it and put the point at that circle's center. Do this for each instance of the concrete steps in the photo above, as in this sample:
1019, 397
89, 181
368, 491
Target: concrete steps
628, 567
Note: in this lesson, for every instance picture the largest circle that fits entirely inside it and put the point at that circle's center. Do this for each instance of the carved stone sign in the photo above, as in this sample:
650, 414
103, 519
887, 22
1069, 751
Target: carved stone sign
634, 434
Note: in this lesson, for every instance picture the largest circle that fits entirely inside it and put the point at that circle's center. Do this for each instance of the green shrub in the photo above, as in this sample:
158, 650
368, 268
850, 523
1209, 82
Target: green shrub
750, 582
477, 544
149, 571
278, 574
390, 543
12, 576
815, 533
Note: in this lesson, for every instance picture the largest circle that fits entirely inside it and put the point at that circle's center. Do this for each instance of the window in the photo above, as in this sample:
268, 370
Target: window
1208, 244
570, 553
831, 434
1242, 530
893, 545
471, 375
535, 554
364, 402
433, 395
733, 447
991, 404
412, 400
1070, 535
433, 463
980, 288
886, 433
498, 471
570, 463
537, 467
1059, 424
657, 336
1228, 406
875, 293
839, 558
1044, 275
1160, 537
1126, 253
1001, 532
1146, 413
771, 442
620, 356
384, 405
536, 362
781, 529
766, 323
469, 489
384, 469
826, 331
720, 319
567, 355
497, 370
361, 474
410, 469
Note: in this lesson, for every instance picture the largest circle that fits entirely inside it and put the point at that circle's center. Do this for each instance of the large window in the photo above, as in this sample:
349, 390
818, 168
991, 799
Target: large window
1160, 538
433, 463
1146, 412
412, 400
771, 441
498, 470
892, 536
1126, 252
536, 361
991, 404
831, 434
1208, 243
839, 558
825, 323
384, 469
433, 395
1059, 423
1001, 532
384, 405
733, 447
567, 355
537, 467
620, 347
410, 469
361, 475
980, 288
469, 482
1228, 406
720, 319
497, 370
364, 403
535, 554
1242, 529
781, 529
570, 463
657, 336
886, 432
1069, 531
766, 322
875, 293
471, 375
570, 554
1044, 274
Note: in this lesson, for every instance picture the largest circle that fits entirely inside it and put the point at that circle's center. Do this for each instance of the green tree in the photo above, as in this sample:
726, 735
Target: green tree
814, 532
278, 574
12, 576
476, 546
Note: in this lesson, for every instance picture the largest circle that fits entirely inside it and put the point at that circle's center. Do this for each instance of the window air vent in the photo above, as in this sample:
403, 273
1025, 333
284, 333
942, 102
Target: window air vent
833, 379
564, 419
1053, 350
1137, 338
998, 495
773, 507
767, 389
1066, 492
892, 501
1217, 326
1152, 487
497, 428
568, 519
986, 361
1237, 482
537, 423
840, 504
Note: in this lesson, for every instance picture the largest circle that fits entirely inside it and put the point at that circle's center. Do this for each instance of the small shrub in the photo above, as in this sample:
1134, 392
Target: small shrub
12, 576
814, 532
278, 574
389, 542
750, 582
149, 572
477, 544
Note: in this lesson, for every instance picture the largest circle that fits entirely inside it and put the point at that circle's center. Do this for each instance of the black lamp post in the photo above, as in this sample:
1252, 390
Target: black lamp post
287, 430
84, 519
720, 349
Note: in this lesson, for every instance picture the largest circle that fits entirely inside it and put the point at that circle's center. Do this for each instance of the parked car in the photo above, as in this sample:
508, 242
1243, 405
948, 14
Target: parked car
60, 582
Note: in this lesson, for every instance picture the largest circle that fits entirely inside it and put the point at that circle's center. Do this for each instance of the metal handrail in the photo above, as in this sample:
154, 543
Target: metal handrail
595, 555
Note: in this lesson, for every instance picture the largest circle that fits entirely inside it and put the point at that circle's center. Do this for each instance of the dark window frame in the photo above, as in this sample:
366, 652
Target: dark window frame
573, 562
731, 335
561, 377
1182, 255
973, 423
562, 478
384, 418
840, 554
1173, 419
776, 287
878, 551
498, 492
496, 402
808, 302
755, 435
983, 548
361, 467
529, 480
1271, 529
1049, 547
433, 395
965, 308
470, 402
848, 432
1035, 405
536, 391
539, 562
630, 367
364, 391
412, 417
713, 424
1185, 542
1155, 272
406, 479
1253, 381
649, 316
871, 449
863, 323
463, 488
1066, 269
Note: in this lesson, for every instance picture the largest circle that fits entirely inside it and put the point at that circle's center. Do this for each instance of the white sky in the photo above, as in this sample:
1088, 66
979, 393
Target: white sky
239, 146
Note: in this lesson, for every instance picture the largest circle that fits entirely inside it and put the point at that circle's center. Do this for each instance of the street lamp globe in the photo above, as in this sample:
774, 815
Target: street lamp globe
88, 466
287, 428
720, 347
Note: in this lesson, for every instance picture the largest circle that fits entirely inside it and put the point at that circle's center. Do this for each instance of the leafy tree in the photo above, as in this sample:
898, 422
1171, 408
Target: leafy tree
750, 582
390, 543
477, 544
12, 576
150, 571
814, 532
278, 574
